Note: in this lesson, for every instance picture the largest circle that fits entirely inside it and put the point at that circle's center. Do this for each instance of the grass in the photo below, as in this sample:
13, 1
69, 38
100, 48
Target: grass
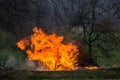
100, 74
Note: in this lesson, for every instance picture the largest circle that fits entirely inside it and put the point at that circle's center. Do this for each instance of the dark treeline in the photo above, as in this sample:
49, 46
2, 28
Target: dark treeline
19, 16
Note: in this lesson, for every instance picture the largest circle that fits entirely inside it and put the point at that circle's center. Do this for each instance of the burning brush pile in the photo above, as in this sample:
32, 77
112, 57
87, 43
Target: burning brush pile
50, 51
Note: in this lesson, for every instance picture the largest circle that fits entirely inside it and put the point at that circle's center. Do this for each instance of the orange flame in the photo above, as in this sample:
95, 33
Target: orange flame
91, 67
49, 50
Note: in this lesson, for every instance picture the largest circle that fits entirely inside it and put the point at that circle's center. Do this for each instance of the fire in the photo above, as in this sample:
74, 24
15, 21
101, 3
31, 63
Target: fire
91, 67
49, 50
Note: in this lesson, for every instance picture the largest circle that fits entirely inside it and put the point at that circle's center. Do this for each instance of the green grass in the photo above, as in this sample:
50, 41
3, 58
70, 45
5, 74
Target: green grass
100, 74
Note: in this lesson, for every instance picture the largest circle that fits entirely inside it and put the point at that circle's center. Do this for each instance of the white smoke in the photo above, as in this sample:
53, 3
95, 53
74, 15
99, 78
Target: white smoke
34, 65
10, 62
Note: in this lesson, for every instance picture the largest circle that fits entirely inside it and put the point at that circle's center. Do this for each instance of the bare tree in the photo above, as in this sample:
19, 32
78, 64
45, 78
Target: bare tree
94, 37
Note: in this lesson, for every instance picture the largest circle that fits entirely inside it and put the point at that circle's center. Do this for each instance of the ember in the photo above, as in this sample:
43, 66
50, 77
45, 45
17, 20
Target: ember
91, 67
49, 50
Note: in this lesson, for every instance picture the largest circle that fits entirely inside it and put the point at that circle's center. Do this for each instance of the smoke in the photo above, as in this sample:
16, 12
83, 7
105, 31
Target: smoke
34, 65
10, 62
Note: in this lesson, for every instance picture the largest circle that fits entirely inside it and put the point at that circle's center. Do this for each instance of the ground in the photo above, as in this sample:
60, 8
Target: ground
99, 74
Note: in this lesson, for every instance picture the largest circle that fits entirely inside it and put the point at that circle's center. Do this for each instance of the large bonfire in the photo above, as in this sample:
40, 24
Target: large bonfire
49, 50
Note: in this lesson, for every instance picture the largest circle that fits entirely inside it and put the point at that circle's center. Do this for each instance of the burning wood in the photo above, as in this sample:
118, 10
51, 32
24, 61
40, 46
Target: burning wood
49, 50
